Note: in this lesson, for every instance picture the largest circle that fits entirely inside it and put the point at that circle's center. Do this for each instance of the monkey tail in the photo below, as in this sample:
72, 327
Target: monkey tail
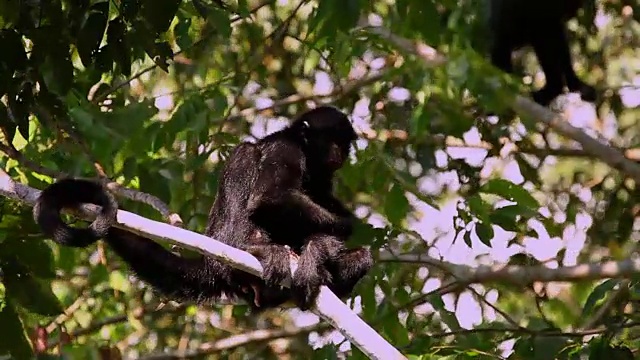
70, 193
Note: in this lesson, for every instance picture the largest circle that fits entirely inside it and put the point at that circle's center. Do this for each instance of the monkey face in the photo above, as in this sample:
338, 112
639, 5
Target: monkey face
336, 157
328, 134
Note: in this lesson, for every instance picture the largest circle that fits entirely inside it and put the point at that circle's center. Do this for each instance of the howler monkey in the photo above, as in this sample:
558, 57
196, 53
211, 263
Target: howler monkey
273, 193
541, 24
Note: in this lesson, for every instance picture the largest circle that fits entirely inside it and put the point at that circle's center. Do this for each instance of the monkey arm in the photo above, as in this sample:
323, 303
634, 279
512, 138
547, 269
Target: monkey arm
278, 192
294, 205
336, 207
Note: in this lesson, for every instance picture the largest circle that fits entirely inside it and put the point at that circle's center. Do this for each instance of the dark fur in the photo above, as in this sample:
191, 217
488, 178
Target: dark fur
273, 193
293, 202
47, 211
541, 24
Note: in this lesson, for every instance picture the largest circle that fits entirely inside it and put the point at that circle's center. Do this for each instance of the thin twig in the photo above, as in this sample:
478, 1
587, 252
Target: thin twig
235, 341
516, 274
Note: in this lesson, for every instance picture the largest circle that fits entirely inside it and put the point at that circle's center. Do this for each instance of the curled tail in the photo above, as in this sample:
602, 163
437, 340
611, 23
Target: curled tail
70, 194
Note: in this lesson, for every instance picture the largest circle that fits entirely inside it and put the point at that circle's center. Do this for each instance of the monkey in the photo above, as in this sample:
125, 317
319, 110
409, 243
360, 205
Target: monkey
541, 24
274, 198
304, 214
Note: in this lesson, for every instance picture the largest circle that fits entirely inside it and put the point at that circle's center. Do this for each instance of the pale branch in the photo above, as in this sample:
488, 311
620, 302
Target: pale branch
517, 274
523, 106
235, 341
327, 305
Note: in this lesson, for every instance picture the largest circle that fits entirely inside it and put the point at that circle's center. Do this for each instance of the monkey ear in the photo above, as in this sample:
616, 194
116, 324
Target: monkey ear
303, 132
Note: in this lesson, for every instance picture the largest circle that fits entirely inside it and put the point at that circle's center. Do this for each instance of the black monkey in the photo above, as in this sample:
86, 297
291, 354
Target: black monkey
541, 24
272, 193
293, 202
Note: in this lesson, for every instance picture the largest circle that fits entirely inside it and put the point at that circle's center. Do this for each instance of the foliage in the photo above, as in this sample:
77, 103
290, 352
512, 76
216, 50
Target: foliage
154, 93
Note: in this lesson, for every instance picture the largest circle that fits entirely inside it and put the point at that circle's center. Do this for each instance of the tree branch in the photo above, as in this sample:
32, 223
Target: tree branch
517, 274
327, 305
523, 106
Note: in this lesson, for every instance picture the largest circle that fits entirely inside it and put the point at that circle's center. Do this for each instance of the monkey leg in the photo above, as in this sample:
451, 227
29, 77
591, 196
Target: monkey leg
312, 272
574, 84
501, 56
552, 50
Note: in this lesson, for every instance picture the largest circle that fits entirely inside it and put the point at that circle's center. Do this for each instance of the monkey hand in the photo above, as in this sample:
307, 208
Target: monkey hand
275, 263
343, 227
305, 286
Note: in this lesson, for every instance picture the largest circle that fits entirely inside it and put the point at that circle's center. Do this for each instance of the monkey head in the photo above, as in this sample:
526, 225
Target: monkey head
327, 135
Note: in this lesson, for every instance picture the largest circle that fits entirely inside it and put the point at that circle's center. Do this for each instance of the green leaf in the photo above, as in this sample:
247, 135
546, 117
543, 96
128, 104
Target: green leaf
181, 31
9, 13
479, 207
159, 13
467, 238
99, 274
368, 300
394, 330
13, 339
328, 352
422, 16
36, 256
510, 191
118, 281
6, 123
396, 205
484, 232
20, 99
448, 317
3, 296
505, 217
119, 46
58, 69
547, 347
348, 15
92, 32
598, 294
66, 258
222, 22
33, 294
